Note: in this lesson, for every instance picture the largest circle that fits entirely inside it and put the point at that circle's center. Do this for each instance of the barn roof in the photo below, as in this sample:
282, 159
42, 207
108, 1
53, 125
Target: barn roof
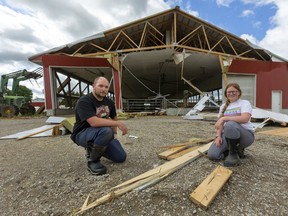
156, 51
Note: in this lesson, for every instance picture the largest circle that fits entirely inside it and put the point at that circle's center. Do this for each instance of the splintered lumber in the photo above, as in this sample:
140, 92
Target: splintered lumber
146, 179
179, 154
205, 193
171, 151
180, 149
191, 142
276, 132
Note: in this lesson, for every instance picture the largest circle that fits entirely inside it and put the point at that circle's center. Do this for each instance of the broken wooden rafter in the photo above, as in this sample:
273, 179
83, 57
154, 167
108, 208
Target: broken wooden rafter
146, 179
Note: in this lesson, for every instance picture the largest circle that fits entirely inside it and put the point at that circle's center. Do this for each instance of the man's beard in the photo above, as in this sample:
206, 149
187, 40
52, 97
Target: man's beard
99, 95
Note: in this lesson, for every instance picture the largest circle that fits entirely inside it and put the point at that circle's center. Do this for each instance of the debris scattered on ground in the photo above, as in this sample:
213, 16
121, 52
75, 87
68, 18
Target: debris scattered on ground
48, 175
146, 179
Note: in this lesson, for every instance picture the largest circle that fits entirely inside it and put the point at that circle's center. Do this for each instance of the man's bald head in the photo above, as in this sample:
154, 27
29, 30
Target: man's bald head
100, 78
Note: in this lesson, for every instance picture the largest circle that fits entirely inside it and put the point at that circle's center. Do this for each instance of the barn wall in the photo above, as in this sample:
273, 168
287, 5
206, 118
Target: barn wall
269, 76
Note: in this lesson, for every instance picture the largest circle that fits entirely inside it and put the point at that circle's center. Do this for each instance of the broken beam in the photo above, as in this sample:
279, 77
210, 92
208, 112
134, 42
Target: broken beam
148, 178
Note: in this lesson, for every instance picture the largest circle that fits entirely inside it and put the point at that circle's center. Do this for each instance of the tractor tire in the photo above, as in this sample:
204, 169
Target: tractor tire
17, 110
7, 111
27, 109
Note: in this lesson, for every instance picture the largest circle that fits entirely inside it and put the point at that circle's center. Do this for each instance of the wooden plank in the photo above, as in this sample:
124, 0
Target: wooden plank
179, 154
23, 133
191, 142
56, 130
37, 132
40, 109
170, 152
275, 132
176, 149
68, 123
205, 193
147, 179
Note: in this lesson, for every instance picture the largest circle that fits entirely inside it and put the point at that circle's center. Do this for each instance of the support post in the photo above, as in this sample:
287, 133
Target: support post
117, 90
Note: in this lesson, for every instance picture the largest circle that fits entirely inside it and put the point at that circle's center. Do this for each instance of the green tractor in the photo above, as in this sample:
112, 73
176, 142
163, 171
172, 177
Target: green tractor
13, 104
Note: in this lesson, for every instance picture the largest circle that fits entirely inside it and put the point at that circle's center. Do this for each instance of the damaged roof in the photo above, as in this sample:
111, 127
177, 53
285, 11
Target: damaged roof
149, 50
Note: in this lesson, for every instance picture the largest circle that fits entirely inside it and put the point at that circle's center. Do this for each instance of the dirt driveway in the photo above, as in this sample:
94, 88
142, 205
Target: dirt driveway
48, 176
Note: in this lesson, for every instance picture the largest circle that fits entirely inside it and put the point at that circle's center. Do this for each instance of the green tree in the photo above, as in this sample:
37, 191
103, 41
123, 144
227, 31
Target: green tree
23, 91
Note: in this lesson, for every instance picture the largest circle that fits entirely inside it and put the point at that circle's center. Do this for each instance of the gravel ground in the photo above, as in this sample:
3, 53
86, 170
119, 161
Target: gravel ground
48, 176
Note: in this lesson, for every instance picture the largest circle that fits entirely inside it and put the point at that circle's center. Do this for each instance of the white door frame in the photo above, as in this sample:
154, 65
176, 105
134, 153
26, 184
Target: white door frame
276, 102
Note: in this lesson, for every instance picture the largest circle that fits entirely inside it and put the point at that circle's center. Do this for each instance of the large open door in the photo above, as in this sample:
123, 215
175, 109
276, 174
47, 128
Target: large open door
247, 84
67, 78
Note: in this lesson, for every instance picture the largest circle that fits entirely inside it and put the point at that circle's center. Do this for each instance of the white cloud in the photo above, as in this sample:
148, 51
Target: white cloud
247, 13
194, 13
225, 3
31, 27
188, 9
250, 38
258, 2
276, 38
257, 24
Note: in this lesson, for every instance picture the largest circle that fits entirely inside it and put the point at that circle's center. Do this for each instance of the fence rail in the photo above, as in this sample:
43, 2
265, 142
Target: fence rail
151, 105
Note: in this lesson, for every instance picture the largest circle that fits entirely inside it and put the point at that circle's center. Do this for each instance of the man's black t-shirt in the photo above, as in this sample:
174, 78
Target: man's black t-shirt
88, 106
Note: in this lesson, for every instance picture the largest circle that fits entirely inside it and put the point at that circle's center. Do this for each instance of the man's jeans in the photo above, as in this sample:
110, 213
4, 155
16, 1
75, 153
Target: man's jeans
102, 136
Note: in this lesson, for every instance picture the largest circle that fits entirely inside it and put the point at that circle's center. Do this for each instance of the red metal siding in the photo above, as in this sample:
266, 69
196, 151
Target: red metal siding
36, 103
117, 89
46, 78
269, 76
58, 60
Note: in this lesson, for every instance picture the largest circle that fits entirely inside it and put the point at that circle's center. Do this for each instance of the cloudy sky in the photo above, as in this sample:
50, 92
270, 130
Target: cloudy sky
29, 27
